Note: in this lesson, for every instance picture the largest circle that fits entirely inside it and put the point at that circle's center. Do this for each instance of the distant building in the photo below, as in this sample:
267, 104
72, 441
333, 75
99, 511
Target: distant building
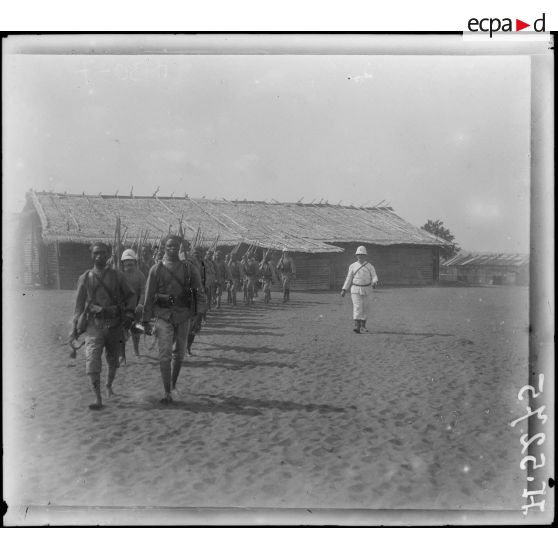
477, 268
58, 229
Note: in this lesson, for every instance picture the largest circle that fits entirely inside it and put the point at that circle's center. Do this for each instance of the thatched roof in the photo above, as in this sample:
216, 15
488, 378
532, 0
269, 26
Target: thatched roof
295, 226
487, 258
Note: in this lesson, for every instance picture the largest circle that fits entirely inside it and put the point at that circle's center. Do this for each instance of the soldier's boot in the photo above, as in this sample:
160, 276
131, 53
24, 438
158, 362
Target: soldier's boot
166, 377
357, 326
363, 326
191, 338
285, 295
110, 380
96, 385
288, 294
176, 366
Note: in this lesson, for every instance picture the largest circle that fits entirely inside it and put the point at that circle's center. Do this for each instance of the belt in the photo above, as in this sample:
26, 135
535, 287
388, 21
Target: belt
367, 285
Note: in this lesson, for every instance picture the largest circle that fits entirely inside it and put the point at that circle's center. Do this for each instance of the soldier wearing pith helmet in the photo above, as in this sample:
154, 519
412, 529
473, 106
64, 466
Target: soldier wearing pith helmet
361, 279
136, 280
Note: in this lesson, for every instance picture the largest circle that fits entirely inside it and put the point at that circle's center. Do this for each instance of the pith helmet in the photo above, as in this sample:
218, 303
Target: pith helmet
128, 254
361, 250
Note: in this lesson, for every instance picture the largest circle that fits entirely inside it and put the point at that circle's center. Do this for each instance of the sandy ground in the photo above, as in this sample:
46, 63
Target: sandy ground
281, 406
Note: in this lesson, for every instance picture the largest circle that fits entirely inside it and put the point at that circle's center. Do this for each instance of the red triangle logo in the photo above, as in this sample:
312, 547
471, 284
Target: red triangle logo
519, 25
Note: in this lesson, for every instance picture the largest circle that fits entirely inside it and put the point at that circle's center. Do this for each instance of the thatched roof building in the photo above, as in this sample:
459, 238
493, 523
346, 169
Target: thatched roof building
486, 268
59, 221
299, 227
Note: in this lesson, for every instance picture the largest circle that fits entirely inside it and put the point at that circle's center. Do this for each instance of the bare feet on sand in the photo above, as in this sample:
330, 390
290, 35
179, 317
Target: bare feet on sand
167, 399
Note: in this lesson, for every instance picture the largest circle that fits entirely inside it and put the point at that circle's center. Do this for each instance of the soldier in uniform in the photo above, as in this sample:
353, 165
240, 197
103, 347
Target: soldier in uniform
136, 280
251, 271
200, 317
209, 278
244, 278
235, 272
361, 279
170, 297
228, 283
287, 269
105, 305
266, 272
221, 276
146, 261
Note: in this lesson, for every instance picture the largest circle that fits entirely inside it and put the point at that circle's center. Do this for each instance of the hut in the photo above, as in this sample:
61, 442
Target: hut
58, 229
486, 268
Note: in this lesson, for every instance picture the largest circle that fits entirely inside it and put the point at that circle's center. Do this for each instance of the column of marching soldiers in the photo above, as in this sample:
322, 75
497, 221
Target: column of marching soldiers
166, 290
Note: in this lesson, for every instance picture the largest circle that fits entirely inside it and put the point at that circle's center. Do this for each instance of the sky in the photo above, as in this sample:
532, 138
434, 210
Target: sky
435, 137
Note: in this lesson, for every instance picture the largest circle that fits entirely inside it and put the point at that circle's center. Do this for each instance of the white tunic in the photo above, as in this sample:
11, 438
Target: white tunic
360, 278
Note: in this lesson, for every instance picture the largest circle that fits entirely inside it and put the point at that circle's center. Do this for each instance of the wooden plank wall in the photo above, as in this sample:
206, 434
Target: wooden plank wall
395, 265
34, 272
52, 266
74, 259
313, 272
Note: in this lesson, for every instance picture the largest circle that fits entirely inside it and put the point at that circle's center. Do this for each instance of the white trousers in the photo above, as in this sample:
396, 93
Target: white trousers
361, 304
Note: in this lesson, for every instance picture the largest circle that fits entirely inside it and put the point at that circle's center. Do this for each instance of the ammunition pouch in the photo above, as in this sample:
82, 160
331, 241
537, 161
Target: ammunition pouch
164, 300
105, 312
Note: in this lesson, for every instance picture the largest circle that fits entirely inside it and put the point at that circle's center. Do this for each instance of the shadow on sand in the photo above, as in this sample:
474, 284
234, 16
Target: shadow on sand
413, 334
240, 364
243, 402
214, 404
244, 349
211, 331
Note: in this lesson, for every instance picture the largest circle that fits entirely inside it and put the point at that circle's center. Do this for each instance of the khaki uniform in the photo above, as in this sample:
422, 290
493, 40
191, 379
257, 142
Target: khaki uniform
235, 272
287, 269
209, 281
266, 272
181, 281
221, 277
107, 304
251, 271
136, 280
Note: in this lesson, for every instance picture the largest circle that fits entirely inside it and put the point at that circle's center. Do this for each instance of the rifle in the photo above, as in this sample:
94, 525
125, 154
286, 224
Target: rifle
116, 249
214, 244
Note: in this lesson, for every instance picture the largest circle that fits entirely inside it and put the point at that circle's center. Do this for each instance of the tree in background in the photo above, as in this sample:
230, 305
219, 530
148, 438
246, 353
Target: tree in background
437, 228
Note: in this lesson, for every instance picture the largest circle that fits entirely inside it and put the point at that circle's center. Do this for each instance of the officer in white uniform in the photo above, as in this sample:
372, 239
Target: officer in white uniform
361, 279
